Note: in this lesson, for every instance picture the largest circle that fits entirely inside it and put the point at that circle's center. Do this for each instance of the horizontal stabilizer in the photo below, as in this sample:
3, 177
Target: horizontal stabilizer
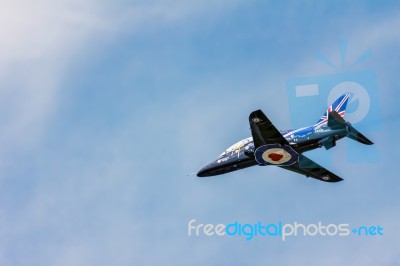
335, 120
357, 136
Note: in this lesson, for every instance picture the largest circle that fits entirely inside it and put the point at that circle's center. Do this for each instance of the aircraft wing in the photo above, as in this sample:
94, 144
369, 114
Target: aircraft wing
263, 131
308, 167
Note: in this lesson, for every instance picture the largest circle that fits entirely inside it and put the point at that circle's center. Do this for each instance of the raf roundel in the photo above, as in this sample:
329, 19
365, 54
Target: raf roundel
276, 155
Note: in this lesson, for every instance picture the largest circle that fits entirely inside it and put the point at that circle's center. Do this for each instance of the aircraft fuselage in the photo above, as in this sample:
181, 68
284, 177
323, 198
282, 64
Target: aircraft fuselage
241, 154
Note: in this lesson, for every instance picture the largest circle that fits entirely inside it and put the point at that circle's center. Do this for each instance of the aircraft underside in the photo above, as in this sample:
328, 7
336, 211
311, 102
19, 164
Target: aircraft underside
268, 146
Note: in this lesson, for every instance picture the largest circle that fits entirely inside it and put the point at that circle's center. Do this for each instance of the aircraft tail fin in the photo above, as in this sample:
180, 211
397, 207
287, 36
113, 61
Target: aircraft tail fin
338, 106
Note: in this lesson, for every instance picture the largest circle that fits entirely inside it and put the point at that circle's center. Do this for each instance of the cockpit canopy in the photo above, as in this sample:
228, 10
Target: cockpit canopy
237, 146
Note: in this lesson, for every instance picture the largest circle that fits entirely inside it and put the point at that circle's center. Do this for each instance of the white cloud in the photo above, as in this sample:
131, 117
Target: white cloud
38, 40
378, 35
41, 39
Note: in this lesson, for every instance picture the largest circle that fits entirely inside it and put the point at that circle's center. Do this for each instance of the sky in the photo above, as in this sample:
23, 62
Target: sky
107, 106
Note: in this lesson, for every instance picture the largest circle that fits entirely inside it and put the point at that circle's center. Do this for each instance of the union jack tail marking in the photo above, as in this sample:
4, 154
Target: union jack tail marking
339, 106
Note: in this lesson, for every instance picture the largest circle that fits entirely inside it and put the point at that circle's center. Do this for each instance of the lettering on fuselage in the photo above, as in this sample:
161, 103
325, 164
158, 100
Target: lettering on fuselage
222, 160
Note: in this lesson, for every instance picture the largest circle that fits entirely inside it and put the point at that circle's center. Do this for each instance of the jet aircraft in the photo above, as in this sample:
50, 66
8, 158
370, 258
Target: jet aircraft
285, 149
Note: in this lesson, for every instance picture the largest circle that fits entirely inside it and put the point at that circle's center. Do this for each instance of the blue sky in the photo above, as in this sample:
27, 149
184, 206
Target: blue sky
106, 106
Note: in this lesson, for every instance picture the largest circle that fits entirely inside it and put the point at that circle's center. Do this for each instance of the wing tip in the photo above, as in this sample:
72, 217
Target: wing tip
331, 179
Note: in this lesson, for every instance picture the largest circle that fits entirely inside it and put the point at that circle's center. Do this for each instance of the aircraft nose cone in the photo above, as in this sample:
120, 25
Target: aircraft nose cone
208, 170
202, 172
